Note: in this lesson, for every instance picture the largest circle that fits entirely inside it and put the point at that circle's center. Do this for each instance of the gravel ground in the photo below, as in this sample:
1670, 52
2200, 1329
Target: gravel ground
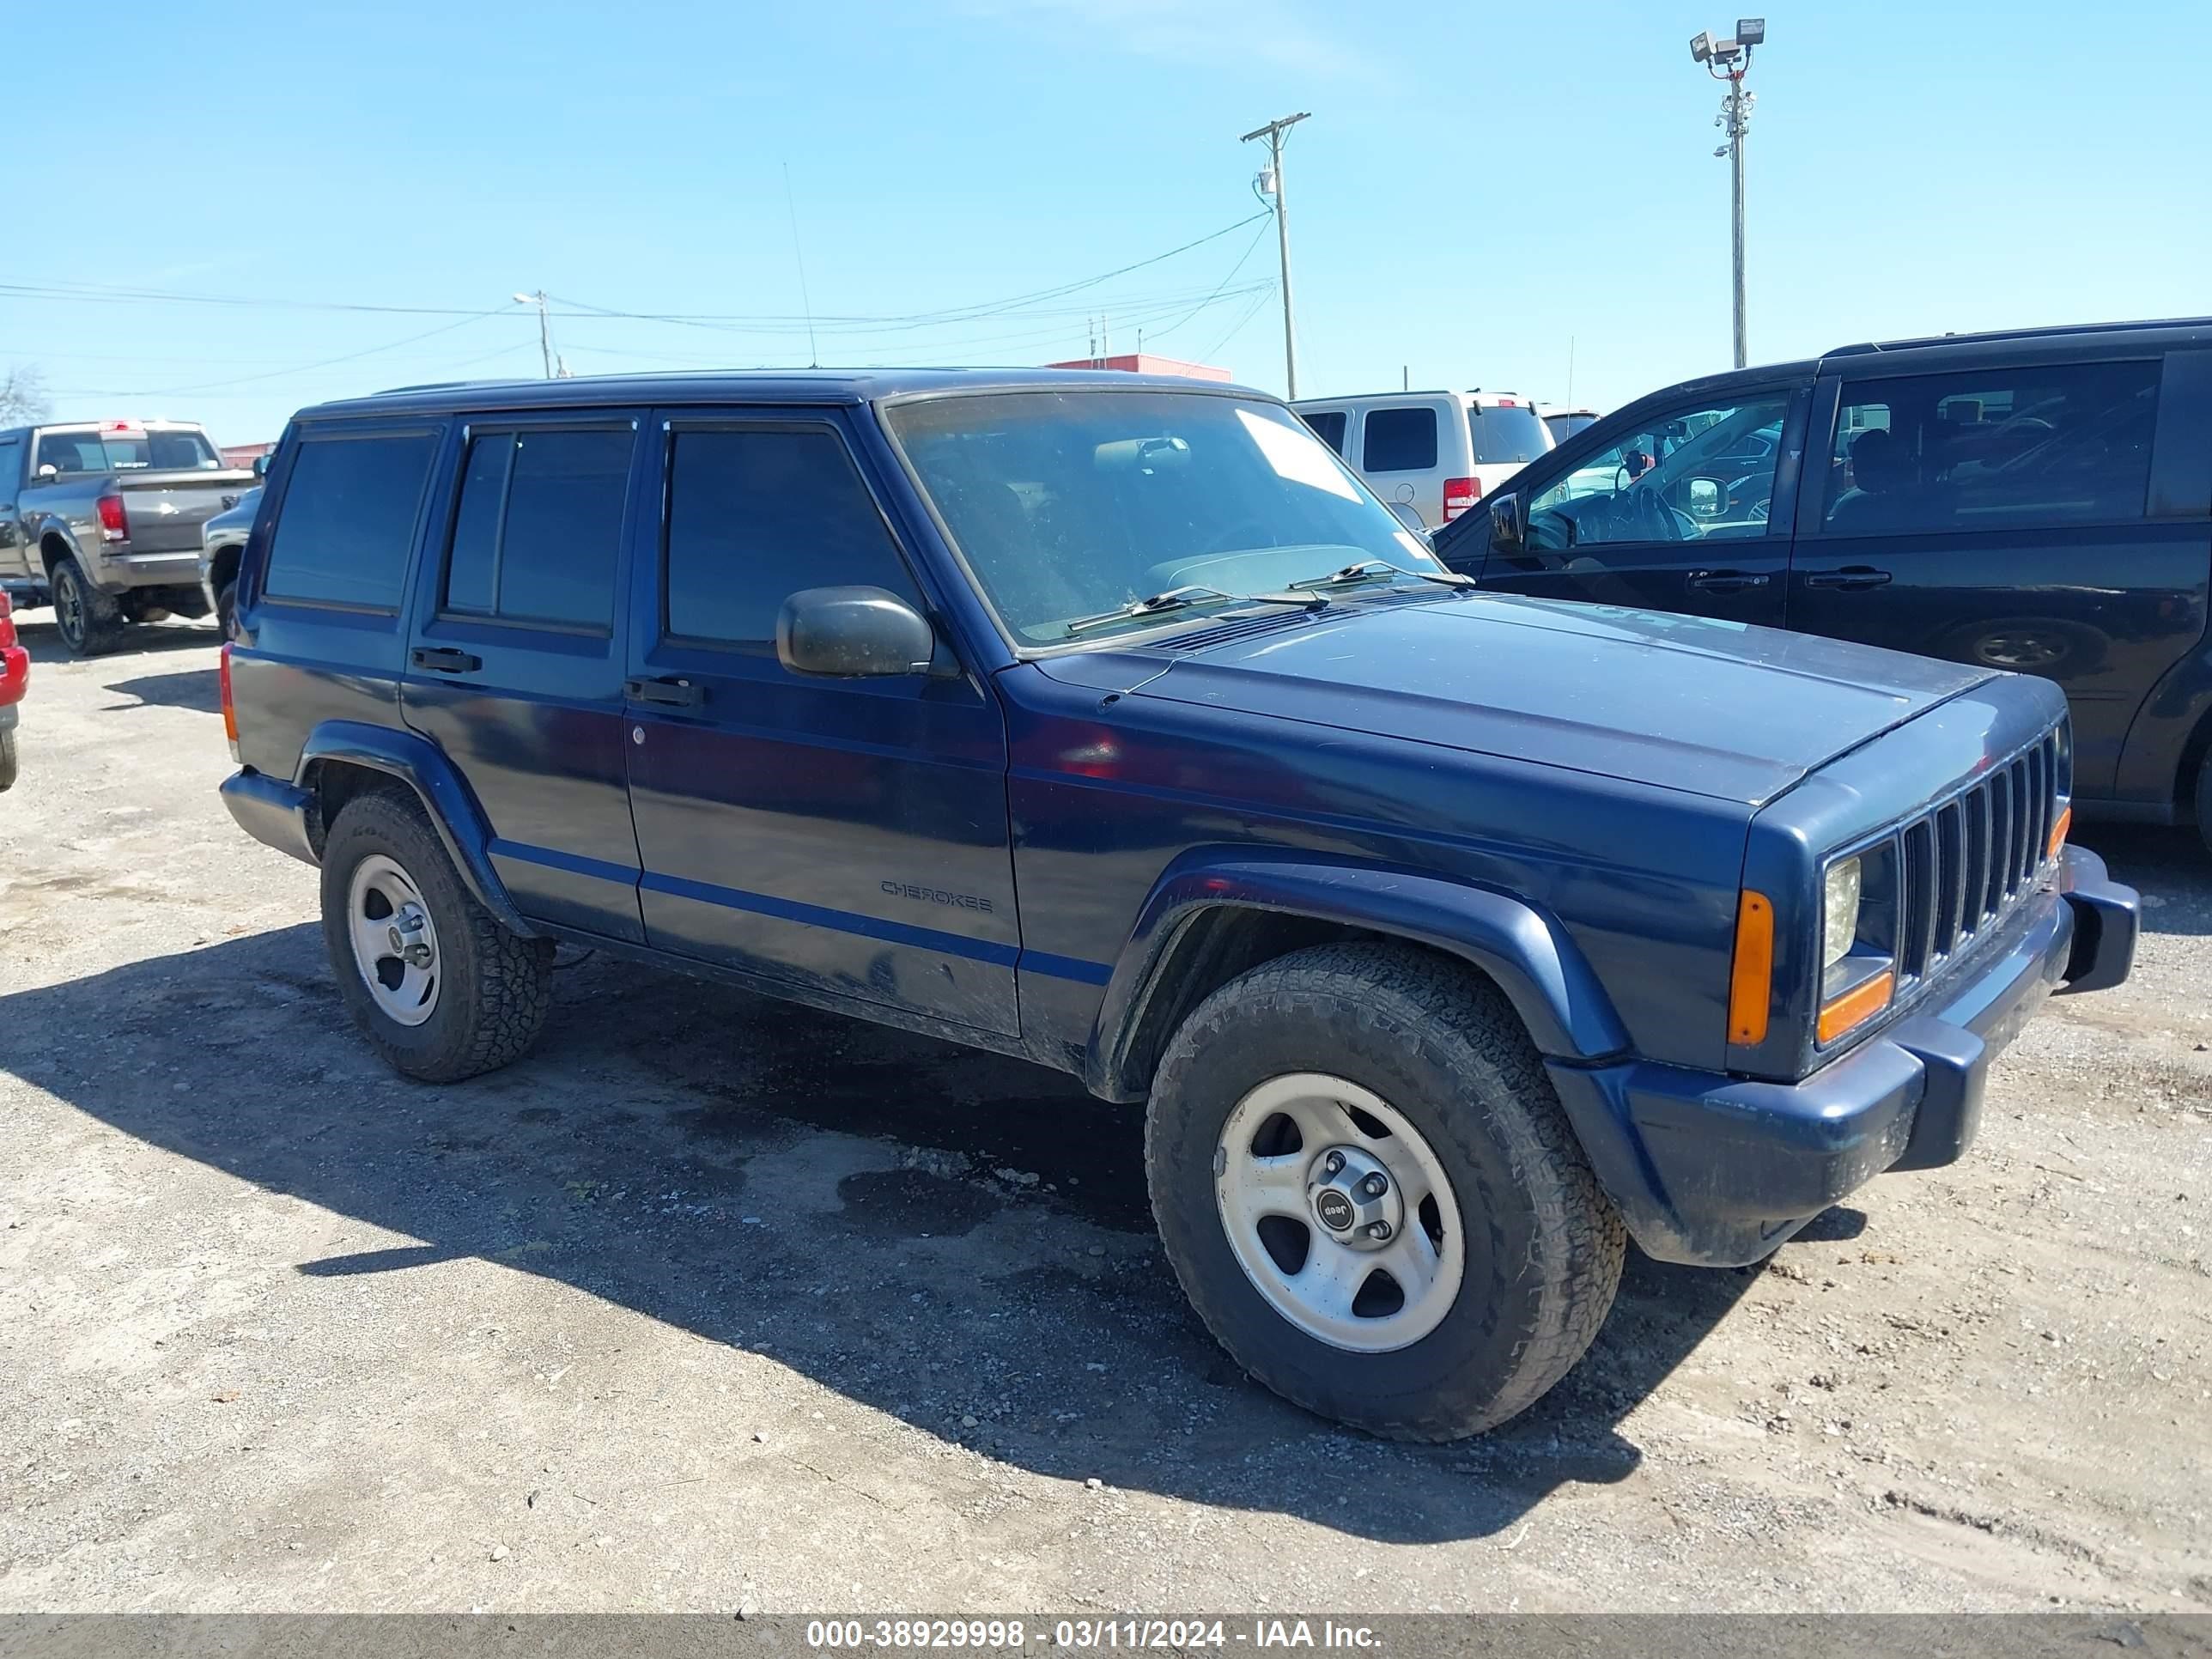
714, 1302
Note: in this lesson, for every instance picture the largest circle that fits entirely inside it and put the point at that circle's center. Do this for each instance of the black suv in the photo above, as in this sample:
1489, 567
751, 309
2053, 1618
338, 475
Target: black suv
2038, 500
1448, 939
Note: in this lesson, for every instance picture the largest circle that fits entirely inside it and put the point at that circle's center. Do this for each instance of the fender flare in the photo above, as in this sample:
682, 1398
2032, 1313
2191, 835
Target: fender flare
1530, 957
34, 531
452, 809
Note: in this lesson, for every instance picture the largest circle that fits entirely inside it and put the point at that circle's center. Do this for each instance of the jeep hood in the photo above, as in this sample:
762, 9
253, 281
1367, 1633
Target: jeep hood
1709, 707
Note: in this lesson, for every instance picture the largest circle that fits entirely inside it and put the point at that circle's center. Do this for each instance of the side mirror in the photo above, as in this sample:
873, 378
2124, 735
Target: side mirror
48, 470
1410, 516
1509, 532
261, 465
853, 633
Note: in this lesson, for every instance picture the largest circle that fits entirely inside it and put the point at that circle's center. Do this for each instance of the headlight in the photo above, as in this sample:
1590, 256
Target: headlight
1839, 923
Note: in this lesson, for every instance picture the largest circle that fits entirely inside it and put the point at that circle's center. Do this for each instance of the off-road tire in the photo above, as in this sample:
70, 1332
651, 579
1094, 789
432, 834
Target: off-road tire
90, 622
1442, 1046
495, 987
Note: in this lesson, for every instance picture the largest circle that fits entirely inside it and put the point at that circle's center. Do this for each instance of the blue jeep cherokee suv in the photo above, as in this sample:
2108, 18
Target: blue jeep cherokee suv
1449, 938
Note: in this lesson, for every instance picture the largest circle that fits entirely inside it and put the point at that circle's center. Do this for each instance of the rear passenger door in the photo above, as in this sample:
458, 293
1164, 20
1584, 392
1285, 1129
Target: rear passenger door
1999, 516
514, 665
847, 835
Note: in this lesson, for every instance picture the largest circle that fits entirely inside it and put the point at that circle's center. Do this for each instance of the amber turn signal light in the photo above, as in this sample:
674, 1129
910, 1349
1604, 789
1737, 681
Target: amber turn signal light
2058, 832
1857, 1005
1751, 980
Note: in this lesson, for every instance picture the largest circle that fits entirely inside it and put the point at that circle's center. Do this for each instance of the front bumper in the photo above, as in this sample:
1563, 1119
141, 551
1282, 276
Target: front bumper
1717, 1170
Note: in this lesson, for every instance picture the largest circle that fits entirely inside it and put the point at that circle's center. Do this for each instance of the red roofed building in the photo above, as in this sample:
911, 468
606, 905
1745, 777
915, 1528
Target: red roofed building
1139, 362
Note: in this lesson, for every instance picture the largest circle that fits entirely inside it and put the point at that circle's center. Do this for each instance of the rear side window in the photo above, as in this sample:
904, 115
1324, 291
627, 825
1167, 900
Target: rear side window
538, 528
1503, 434
347, 518
1327, 425
1399, 441
2059, 444
756, 515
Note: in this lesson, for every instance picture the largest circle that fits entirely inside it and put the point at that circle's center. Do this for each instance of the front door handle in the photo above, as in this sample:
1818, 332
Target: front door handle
670, 693
444, 661
1726, 582
1851, 577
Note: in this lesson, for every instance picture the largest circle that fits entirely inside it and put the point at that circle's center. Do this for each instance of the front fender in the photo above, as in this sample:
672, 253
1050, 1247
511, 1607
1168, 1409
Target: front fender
453, 808
1529, 957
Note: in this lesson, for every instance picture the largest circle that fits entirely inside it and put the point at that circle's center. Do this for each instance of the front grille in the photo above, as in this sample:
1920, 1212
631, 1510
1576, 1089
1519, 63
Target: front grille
1966, 861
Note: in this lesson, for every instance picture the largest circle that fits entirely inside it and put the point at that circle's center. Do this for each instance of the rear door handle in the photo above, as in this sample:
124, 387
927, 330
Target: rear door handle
672, 693
1726, 582
444, 661
1851, 575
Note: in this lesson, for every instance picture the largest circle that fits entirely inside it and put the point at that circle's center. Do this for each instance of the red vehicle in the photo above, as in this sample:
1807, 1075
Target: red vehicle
14, 675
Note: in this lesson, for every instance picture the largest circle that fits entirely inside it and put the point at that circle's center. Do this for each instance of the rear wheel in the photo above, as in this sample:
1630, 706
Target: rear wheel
89, 620
7, 759
1369, 1191
438, 985
225, 607
2205, 800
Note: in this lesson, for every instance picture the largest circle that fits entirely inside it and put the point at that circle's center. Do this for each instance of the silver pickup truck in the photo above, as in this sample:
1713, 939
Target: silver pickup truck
102, 520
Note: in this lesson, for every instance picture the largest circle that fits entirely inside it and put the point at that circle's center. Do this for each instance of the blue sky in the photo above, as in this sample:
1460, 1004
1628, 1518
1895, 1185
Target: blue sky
1483, 189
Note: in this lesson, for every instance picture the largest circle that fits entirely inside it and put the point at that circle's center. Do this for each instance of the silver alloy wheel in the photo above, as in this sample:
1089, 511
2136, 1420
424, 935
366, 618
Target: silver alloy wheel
1339, 1212
395, 943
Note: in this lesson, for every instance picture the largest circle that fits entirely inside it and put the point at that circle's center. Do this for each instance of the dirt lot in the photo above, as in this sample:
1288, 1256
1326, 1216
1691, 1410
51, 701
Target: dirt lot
714, 1301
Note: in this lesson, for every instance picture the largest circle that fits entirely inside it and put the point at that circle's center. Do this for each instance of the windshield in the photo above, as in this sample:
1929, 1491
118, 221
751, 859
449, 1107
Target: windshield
94, 451
1069, 504
1507, 432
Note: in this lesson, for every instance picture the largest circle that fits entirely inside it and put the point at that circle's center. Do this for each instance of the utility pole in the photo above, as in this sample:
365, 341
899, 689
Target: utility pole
1270, 183
1730, 60
544, 327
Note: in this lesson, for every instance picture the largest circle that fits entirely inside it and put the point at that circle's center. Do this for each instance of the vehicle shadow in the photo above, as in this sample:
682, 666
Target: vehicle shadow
940, 1234
44, 641
2170, 866
196, 689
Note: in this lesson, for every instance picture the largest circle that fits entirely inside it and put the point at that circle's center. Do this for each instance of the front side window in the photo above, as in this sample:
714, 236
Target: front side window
1065, 505
754, 515
2047, 444
1703, 472
539, 527
347, 522
1399, 441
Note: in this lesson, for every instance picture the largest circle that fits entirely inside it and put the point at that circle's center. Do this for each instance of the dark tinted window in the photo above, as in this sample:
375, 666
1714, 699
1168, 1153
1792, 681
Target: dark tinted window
1503, 433
1328, 427
11, 462
2064, 444
91, 450
1400, 441
1565, 427
753, 517
347, 518
539, 525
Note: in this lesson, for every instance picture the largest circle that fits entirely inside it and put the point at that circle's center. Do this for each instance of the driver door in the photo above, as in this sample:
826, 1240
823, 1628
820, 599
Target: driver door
1690, 511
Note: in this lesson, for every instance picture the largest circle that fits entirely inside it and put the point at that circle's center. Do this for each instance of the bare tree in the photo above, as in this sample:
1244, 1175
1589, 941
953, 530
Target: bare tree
22, 396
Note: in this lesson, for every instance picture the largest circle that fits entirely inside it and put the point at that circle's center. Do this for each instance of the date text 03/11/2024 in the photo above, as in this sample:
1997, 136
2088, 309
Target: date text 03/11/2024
998, 1635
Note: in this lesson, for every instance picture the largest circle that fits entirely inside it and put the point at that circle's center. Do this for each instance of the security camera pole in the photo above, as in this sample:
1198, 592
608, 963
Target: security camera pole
1729, 60
1273, 132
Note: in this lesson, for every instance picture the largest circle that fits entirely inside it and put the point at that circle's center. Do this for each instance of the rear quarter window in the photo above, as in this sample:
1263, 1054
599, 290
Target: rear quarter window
1327, 425
1399, 441
347, 518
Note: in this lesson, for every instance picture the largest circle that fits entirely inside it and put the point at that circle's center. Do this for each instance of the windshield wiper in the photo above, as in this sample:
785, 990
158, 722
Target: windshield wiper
1368, 569
1177, 598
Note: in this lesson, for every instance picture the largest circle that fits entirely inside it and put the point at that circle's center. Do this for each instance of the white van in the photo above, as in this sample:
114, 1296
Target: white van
1437, 452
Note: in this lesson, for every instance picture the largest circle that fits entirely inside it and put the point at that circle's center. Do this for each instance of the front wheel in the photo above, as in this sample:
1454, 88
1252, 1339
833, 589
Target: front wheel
437, 985
1369, 1191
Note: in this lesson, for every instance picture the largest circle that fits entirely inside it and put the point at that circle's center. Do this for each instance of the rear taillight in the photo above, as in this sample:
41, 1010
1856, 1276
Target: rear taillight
114, 523
7, 620
1460, 493
229, 708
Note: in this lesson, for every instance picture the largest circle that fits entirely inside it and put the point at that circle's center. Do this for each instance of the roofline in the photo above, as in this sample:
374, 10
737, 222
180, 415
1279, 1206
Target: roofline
1990, 336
